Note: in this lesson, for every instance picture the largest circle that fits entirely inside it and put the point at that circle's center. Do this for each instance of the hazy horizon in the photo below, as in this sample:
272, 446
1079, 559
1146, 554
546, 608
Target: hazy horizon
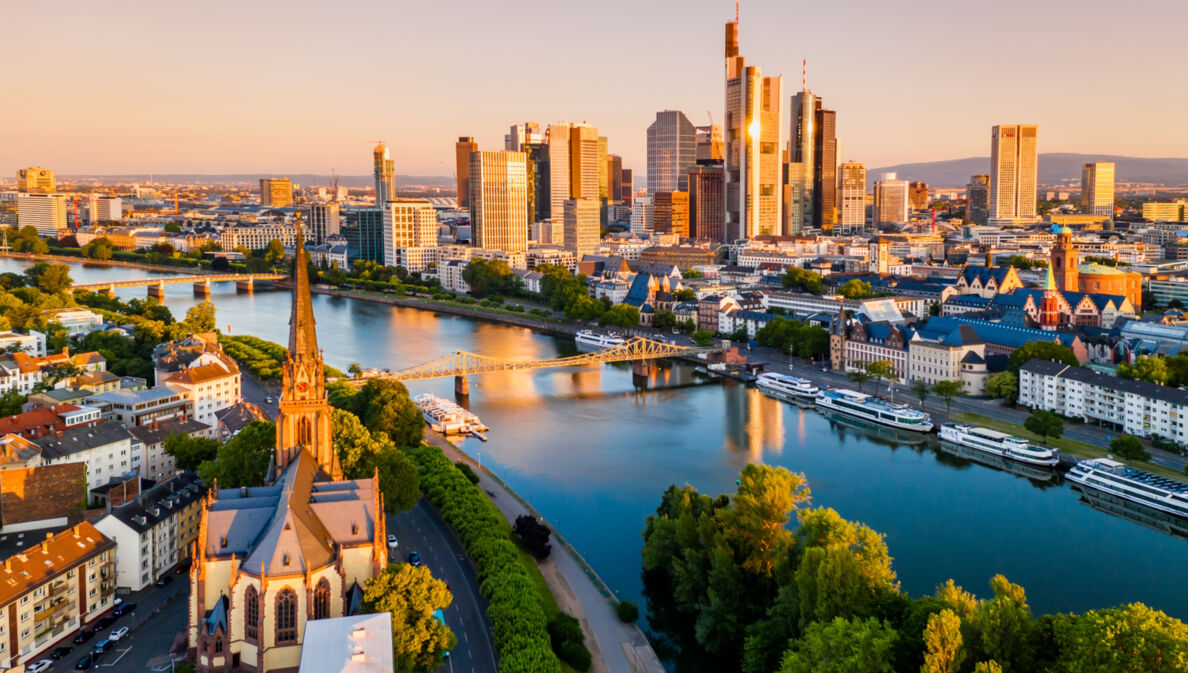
300, 88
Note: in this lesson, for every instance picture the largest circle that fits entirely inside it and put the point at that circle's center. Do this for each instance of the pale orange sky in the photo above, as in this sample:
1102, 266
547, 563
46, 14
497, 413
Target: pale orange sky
234, 87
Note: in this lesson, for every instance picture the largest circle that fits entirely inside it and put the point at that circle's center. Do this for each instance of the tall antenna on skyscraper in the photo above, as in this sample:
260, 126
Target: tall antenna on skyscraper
736, 12
804, 74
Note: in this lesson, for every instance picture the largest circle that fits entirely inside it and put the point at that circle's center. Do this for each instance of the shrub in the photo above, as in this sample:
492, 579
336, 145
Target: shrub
569, 642
468, 471
1129, 448
534, 535
627, 611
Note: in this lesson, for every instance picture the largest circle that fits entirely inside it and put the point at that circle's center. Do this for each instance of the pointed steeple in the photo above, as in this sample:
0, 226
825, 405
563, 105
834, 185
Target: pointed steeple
1050, 283
303, 340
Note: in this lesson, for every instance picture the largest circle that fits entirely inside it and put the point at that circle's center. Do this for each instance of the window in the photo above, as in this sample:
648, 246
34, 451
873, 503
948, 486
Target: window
322, 600
286, 616
252, 614
218, 645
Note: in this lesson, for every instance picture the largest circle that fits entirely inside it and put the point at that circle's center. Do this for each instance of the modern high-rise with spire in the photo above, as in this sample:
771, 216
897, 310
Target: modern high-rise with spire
385, 175
813, 144
753, 131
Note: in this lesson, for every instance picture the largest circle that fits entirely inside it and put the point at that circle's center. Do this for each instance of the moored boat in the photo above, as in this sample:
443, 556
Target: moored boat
875, 410
785, 387
998, 444
594, 339
1128, 483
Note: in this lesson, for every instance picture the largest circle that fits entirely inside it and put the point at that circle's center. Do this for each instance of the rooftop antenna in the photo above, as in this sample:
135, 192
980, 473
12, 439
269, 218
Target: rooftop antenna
804, 74
736, 12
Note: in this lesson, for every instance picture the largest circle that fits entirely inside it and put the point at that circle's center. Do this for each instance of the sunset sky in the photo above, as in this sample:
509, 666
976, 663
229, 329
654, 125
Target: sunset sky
290, 87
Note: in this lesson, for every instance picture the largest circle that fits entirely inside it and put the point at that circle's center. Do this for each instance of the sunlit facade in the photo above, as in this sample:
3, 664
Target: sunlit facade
1097, 188
753, 132
499, 200
672, 150
1013, 174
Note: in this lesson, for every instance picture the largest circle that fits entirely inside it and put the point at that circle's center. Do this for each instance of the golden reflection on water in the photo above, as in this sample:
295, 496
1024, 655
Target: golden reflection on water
754, 423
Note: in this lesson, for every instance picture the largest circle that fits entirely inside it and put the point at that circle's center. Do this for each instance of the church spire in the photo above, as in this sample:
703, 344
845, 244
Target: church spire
303, 340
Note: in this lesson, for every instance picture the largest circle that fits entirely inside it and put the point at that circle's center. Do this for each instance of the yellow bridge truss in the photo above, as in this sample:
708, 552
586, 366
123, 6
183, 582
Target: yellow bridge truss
463, 363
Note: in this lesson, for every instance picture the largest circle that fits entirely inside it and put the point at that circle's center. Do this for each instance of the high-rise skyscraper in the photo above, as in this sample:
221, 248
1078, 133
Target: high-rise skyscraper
813, 142
539, 181
641, 215
104, 208
977, 199
385, 175
853, 198
709, 143
707, 201
670, 214
324, 221
918, 195
499, 200
558, 142
36, 180
581, 226
672, 149
1013, 174
628, 185
1097, 188
44, 212
584, 171
520, 135
462, 150
276, 192
614, 169
890, 200
410, 229
753, 133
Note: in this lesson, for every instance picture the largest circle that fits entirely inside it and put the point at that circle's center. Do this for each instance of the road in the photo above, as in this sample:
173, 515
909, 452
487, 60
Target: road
422, 530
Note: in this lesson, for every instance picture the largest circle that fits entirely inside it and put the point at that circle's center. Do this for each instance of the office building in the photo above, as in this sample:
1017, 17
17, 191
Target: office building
977, 199
853, 197
257, 236
276, 192
918, 195
709, 143
797, 205
520, 135
539, 181
1097, 188
558, 151
753, 132
890, 200
672, 150
36, 180
813, 142
499, 200
614, 168
324, 221
670, 214
364, 231
641, 215
1013, 174
582, 231
628, 180
462, 151
584, 171
408, 223
104, 208
1156, 211
44, 212
385, 175
707, 202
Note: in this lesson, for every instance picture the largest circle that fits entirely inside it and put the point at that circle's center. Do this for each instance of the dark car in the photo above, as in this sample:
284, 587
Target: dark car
84, 635
164, 579
184, 566
101, 647
414, 559
107, 621
123, 609
60, 652
85, 663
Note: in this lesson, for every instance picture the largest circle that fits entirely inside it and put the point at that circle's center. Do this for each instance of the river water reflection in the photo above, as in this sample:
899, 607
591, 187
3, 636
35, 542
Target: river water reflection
594, 454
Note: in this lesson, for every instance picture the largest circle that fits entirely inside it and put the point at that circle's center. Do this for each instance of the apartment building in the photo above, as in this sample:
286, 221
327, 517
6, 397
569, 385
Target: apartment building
105, 447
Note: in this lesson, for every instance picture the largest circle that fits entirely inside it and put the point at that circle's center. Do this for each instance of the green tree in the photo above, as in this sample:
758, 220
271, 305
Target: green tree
804, 280
762, 507
200, 317
1006, 626
624, 316
1044, 350
1003, 385
1131, 639
856, 289
845, 569
11, 403
1129, 448
685, 294
1045, 424
412, 595
921, 390
244, 459
172, 228
859, 376
99, 248
1150, 368
703, 337
355, 369
275, 252
385, 406
947, 390
842, 646
942, 643
490, 277
987, 667
692, 273
664, 319
934, 309
882, 369
49, 278
190, 452
362, 454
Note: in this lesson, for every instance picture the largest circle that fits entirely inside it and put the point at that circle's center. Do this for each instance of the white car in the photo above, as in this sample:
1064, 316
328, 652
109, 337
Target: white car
39, 666
118, 634
392, 544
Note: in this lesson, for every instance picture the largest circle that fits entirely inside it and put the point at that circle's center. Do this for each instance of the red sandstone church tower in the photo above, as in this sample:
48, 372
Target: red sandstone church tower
1049, 312
1064, 260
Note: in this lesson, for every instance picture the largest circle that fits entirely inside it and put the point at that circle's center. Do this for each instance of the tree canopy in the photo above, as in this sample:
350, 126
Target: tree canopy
796, 278
243, 460
412, 595
794, 336
1044, 350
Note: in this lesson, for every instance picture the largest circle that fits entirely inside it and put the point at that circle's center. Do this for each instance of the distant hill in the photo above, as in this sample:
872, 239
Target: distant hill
1054, 167
300, 178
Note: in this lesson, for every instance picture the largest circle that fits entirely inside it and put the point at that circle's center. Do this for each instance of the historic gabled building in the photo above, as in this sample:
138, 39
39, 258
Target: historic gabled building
987, 281
270, 558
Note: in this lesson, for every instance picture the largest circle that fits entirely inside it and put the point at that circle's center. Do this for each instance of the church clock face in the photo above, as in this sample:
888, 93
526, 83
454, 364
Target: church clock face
302, 387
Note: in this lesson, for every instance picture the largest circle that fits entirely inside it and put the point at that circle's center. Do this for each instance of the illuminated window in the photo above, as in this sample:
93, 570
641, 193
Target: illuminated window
286, 616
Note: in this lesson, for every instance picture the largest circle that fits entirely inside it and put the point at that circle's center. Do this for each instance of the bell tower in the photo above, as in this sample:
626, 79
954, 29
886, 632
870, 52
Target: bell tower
1064, 259
303, 423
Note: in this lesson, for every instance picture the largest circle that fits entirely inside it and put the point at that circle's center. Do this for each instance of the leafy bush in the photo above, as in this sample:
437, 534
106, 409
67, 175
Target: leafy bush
517, 618
468, 471
534, 535
627, 611
569, 642
1130, 448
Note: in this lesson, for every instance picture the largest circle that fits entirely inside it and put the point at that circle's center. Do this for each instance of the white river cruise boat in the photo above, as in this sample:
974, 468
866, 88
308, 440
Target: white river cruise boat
1128, 483
785, 387
870, 408
594, 339
449, 418
998, 444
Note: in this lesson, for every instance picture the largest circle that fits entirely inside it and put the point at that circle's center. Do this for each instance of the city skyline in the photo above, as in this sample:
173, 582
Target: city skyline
210, 111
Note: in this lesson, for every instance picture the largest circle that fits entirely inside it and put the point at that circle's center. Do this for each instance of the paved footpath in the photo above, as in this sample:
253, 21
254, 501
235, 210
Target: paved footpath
617, 647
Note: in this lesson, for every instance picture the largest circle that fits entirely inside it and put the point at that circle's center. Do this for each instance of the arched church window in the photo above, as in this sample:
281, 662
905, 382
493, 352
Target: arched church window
251, 603
303, 432
322, 600
286, 616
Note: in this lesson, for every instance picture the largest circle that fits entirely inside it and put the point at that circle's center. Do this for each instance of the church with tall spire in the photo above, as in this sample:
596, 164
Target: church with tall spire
270, 558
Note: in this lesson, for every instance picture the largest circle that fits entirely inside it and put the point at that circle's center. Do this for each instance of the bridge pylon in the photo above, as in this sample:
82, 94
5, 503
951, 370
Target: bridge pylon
202, 289
461, 386
246, 286
157, 291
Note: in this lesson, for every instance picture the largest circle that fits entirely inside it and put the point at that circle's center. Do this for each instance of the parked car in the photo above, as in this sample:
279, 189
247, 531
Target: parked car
39, 666
184, 566
123, 609
164, 579
101, 647
392, 543
85, 663
107, 621
118, 634
60, 652
84, 635
414, 559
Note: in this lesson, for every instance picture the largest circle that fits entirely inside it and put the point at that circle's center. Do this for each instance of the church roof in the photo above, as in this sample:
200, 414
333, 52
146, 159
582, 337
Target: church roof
1098, 270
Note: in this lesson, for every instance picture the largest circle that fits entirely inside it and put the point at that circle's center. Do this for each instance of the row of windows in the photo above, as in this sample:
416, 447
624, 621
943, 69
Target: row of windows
286, 612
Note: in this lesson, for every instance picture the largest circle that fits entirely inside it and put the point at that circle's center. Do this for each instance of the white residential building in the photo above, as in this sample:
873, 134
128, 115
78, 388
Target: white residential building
257, 236
32, 343
408, 224
450, 275
106, 448
44, 212
76, 321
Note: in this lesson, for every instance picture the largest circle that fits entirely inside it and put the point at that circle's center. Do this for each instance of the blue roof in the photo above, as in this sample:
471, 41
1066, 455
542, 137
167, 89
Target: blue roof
996, 333
759, 316
637, 295
972, 271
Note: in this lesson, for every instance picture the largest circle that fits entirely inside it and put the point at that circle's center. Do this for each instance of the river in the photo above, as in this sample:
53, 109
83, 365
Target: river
593, 454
